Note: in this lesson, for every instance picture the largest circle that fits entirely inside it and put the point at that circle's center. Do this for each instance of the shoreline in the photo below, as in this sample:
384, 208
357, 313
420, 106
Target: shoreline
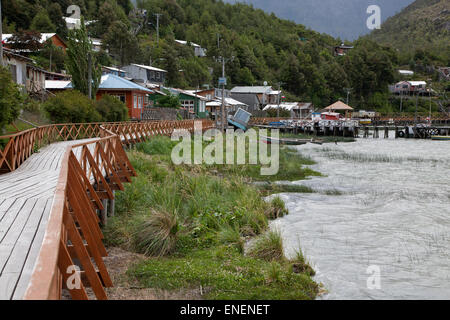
208, 252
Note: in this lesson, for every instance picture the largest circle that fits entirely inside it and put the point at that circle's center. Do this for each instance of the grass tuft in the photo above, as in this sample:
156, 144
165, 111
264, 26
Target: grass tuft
157, 235
268, 247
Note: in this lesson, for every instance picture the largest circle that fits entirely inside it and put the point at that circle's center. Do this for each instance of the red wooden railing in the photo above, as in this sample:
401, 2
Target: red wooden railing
73, 229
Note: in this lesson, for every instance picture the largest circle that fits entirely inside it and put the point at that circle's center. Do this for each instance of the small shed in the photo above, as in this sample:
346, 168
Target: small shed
339, 106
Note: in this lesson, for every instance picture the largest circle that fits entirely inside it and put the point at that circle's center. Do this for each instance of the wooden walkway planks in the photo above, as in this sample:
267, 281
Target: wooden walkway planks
26, 199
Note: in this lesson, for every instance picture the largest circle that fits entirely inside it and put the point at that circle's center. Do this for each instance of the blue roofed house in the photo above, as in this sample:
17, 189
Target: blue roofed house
133, 95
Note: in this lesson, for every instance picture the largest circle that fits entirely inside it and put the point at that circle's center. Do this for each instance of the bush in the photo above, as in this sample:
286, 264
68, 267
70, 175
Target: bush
157, 235
278, 209
71, 107
268, 247
11, 99
112, 109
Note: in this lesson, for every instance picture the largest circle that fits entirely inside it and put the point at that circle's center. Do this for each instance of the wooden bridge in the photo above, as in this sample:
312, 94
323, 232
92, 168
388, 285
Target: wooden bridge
54, 183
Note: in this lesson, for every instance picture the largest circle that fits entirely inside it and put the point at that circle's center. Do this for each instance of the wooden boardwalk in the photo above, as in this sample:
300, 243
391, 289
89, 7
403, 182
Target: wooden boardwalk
26, 199
52, 203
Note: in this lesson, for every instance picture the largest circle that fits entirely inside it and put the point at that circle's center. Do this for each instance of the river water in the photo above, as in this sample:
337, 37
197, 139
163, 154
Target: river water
379, 226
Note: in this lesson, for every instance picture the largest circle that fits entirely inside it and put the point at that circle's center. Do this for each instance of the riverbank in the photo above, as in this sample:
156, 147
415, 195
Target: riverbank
194, 225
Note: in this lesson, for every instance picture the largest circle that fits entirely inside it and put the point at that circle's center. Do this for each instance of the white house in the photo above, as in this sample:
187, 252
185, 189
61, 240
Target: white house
146, 74
199, 51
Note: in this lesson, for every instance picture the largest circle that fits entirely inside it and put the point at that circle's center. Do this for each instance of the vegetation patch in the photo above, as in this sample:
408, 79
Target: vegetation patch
224, 273
193, 222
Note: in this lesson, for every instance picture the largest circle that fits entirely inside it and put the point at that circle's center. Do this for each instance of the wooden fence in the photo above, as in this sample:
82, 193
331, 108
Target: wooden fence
73, 230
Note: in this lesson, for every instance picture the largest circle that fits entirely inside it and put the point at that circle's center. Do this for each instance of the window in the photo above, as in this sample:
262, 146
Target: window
135, 102
140, 102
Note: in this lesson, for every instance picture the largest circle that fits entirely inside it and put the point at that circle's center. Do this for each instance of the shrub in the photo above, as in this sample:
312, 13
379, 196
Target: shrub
112, 109
71, 107
231, 235
157, 235
11, 99
268, 247
277, 209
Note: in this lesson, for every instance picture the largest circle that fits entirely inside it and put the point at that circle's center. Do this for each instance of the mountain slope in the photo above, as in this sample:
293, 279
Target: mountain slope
340, 18
424, 26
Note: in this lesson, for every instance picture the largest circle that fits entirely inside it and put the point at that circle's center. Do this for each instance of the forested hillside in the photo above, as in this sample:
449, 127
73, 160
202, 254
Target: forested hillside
421, 32
260, 46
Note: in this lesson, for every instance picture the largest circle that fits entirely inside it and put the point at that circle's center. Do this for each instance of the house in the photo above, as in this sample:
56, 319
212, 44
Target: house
299, 110
56, 40
193, 103
406, 73
115, 71
255, 97
342, 50
146, 74
198, 50
134, 96
17, 65
444, 73
96, 44
231, 105
36, 77
410, 87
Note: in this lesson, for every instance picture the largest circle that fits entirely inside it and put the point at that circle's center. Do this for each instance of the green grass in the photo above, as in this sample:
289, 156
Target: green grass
268, 247
226, 274
193, 221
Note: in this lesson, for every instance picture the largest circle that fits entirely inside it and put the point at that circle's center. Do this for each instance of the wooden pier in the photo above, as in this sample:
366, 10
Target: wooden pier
53, 203
355, 130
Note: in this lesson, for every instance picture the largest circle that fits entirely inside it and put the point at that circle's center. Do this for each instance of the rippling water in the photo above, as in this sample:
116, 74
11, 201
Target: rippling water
394, 213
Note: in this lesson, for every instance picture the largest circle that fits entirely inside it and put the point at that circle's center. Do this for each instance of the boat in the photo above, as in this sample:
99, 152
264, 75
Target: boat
440, 138
290, 142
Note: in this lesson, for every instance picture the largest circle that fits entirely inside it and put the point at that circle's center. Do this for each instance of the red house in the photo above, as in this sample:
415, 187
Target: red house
133, 95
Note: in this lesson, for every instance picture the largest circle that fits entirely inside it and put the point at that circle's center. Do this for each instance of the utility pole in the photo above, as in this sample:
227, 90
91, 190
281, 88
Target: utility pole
348, 94
222, 108
90, 75
1, 36
279, 100
158, 15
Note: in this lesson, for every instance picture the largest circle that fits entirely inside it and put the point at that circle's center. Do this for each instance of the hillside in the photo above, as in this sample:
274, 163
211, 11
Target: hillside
258, 46
423, 26
345, 19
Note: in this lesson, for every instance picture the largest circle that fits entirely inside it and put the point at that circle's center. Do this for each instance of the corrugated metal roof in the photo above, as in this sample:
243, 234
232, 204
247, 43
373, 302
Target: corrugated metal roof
261, 89
148, 67
108, 82
57, 85
111, 81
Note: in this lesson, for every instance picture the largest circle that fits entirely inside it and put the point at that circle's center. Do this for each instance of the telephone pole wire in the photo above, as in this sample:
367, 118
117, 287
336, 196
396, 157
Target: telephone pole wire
158, 15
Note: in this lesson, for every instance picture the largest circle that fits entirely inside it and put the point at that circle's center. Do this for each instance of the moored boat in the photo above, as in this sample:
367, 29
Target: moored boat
292, 142
440, 138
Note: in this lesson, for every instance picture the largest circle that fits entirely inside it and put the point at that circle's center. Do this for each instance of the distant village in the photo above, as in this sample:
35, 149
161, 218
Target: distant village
140, 87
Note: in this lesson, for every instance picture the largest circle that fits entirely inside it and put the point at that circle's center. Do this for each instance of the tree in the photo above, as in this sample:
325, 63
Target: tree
79, 49
169, 101
55, 14
71, 107
25, 41
11, 99
41, 22
112, 109
120, 42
